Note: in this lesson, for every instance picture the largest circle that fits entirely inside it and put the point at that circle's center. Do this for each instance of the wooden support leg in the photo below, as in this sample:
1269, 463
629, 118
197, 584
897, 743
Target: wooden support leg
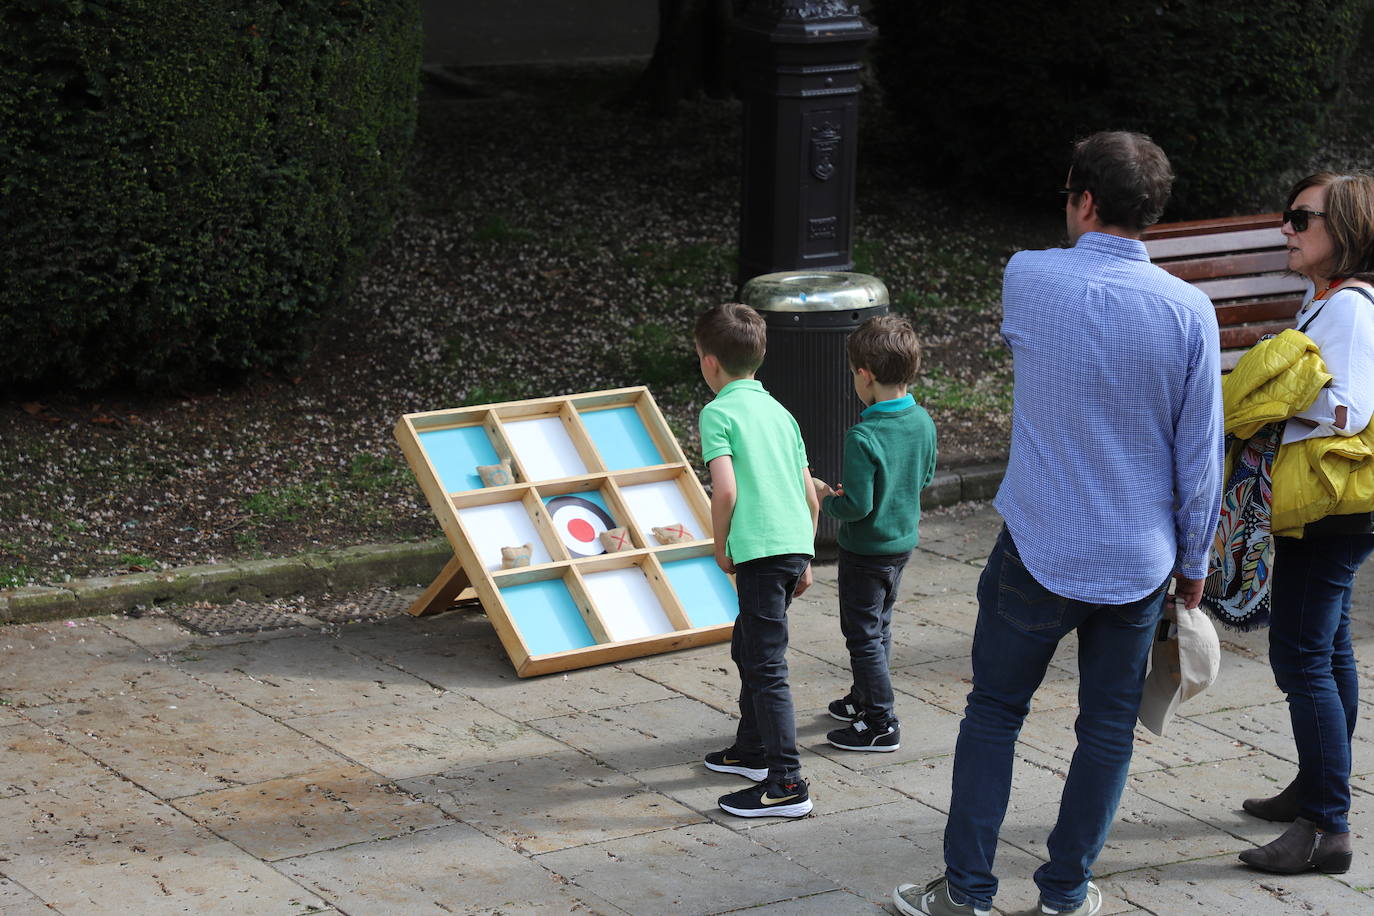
446, 588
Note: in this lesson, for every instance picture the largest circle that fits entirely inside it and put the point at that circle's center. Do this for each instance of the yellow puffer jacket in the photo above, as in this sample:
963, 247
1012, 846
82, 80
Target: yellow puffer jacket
1312, 478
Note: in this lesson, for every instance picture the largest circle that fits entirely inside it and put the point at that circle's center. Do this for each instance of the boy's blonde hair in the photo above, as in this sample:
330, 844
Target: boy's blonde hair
887, 346
735, 335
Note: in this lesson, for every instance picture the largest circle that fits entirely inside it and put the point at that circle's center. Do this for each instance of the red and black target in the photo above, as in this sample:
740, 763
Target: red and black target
579, 522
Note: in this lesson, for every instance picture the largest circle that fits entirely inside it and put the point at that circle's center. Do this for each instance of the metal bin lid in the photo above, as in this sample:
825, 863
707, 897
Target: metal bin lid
814, 291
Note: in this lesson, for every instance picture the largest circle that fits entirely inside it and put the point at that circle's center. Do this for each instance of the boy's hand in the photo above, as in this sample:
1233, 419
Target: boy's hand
723, 560
804, 582
822, 488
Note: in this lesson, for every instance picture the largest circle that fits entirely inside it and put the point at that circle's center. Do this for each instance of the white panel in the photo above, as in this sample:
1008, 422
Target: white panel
627, 604
502, 525
660, 504
544, 448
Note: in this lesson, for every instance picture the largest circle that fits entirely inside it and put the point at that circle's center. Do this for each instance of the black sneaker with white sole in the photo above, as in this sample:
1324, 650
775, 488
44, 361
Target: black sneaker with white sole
845, 709
860, 736
769, 799
731, 760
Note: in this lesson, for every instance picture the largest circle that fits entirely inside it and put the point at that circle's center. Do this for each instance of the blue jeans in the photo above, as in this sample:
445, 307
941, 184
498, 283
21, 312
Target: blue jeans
1314, 664
758, 646
1020, 623
868, 589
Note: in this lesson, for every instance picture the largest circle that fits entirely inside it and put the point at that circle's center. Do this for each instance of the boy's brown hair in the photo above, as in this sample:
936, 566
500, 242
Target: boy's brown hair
735, 335
887, 346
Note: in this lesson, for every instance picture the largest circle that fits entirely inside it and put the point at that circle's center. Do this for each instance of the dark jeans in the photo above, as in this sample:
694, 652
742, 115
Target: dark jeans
759, 649
868, 588
1020, 623
1314, 664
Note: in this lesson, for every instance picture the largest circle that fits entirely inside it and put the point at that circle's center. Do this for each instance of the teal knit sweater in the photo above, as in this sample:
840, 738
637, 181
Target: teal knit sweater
889, 457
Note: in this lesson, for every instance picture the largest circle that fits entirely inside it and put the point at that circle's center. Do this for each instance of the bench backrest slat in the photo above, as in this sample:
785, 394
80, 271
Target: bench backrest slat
1213, 243
1223, 265
1251, 287
1241, 263
1219, 224
1263, 310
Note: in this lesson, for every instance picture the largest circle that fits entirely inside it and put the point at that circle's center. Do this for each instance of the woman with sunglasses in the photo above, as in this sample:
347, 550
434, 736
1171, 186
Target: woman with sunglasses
1329, 225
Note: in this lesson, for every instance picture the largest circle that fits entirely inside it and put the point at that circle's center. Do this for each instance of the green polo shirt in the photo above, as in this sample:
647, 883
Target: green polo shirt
889, 457
771, 515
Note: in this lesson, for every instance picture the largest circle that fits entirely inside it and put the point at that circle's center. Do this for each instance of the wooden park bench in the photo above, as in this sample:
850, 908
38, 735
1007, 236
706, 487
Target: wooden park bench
1241, 263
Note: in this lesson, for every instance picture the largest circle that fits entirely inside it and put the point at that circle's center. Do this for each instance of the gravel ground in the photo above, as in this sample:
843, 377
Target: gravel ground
550, 244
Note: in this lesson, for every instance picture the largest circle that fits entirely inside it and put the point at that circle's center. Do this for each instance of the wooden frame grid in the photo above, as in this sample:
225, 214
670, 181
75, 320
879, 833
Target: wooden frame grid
602, 453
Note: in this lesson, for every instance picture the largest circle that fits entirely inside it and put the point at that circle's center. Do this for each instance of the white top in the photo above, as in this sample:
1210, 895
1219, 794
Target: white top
1344, 332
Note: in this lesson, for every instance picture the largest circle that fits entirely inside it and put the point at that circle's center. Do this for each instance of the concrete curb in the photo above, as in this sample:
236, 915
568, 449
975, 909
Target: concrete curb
343, 570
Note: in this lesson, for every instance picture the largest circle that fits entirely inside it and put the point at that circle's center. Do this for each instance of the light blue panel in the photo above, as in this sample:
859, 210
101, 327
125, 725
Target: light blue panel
620, 437
456, 453
546, 617
705, 592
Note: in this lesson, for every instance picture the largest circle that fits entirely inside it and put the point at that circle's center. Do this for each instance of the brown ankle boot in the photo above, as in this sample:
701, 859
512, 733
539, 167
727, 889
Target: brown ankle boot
1282, 807
1302, 847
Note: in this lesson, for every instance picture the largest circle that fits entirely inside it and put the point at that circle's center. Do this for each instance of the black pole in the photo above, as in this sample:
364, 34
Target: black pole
800, 63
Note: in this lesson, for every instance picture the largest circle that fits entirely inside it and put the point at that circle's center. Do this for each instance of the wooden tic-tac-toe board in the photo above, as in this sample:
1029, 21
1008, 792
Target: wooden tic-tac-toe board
582, 464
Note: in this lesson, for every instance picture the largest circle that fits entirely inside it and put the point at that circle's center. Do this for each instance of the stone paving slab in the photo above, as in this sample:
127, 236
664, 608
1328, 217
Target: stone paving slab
834, 903
308, 675
440, 872
184, 740
1269, 728
63, 768
398, 765
701, 869
43, 664
1221, 885
311, 812
645, 735
542, 804
15, 900
870, 851
1183, 744
413, 739
115, 848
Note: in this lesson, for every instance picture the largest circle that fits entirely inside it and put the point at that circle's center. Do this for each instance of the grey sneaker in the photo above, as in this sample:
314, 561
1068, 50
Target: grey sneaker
1089, 907
932, 900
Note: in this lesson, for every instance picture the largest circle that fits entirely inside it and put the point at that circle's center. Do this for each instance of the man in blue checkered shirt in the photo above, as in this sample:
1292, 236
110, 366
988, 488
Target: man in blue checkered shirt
1112, 489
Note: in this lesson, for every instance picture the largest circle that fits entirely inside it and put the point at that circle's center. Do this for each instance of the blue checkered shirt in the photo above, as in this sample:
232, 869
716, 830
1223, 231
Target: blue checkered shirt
1114, 477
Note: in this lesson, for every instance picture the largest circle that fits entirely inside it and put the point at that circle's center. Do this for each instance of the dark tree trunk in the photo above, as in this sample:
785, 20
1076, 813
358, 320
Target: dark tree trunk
691, 56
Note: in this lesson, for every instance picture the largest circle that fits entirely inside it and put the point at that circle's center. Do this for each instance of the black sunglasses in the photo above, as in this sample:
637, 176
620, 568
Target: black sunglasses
1298, 219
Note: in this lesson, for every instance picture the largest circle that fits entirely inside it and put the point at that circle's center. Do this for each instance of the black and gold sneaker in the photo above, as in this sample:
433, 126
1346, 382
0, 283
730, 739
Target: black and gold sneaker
769, 799
730, 760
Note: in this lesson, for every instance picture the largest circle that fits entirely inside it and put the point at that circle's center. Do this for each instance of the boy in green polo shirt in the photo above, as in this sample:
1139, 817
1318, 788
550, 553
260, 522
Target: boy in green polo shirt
889, 457
763, 510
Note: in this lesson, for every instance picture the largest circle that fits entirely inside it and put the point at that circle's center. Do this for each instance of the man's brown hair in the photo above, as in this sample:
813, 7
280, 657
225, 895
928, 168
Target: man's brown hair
1129, 175
735, 335
887, 346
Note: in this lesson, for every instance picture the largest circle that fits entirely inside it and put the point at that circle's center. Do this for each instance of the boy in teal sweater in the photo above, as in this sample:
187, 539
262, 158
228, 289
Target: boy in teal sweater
889, 457
763, 510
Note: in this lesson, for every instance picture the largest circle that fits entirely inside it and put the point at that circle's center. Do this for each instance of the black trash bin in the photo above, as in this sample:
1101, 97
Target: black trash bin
809, 315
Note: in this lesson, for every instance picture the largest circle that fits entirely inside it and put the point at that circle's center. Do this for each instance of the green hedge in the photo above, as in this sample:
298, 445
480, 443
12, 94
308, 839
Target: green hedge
1235, 91
186, 186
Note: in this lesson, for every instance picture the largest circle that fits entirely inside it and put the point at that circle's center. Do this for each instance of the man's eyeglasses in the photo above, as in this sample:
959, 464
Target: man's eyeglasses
1299, 219
1065, 192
